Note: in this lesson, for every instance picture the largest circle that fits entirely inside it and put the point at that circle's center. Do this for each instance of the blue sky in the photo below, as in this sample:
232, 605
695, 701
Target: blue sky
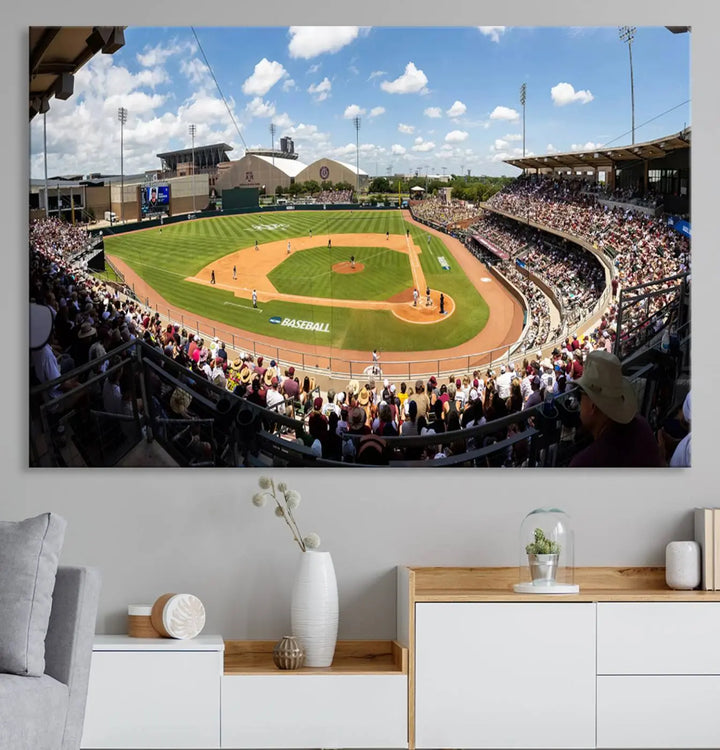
430, 99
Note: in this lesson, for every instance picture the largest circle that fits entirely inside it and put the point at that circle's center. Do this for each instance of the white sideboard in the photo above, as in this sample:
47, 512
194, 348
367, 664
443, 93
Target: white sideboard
626, 663
154, 693
204, 693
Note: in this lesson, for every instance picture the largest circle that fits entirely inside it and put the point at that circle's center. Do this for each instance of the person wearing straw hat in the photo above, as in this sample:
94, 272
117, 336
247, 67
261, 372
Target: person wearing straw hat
609, 412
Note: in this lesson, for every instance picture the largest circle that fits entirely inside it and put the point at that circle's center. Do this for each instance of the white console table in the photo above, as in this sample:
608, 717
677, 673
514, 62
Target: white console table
626, 663
162, 693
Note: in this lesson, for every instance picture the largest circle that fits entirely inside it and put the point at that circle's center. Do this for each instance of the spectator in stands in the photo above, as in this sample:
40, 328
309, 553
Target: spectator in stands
681, 454
609, 412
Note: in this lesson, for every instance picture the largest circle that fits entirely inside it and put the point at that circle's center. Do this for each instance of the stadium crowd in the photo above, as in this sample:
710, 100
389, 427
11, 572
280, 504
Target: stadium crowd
450, 215
334, 196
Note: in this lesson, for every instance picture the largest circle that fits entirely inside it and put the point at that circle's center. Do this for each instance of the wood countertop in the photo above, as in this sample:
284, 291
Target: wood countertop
351, 657
597, 584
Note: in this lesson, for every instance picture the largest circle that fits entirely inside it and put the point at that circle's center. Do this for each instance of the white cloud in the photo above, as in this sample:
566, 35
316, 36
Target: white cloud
457, 109
258, 108
153, 77
551, 149
564, 93
354, 70
433, 112
353, 110
311, 41
320, 91
504, 113
513, 137
513, 153
407, 129
344, 150
494, 32
264, 77
398, 149
589, 146
303, 132
500, 144
283, 121
412, 81
375, 111
288, 85
456, 136
376, 74
422, 146
313, 69
155, 56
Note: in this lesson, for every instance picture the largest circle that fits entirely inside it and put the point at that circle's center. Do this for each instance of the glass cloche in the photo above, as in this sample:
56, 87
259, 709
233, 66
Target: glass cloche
546, 553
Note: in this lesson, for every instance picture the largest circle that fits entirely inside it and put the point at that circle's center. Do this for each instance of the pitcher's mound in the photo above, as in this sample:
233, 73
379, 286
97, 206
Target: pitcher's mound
345, 267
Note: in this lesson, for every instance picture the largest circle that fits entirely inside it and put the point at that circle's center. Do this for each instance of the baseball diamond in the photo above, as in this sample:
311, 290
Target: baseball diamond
356, 309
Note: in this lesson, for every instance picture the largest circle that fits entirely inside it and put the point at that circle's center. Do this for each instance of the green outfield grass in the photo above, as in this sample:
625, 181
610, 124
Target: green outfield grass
309, 272
164, 259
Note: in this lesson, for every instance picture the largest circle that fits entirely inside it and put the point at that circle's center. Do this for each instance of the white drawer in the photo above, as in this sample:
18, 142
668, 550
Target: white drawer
658, 638
658, 712
301, 711
153, 699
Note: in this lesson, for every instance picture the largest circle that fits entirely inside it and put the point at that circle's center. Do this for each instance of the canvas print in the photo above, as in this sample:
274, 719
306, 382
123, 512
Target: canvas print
359, 246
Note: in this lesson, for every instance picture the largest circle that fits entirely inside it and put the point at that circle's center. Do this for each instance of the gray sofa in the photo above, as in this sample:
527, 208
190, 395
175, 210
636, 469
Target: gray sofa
47, 712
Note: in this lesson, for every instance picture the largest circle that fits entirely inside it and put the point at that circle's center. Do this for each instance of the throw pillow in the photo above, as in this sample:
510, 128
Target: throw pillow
29, 552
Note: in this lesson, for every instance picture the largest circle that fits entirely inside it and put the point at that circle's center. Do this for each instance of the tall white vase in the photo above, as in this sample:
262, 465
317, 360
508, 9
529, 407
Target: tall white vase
314, 608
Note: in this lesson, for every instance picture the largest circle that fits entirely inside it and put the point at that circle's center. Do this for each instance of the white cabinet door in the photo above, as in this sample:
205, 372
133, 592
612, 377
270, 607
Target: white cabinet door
311, 711
671, 711
500, 675
153, 699
658, 638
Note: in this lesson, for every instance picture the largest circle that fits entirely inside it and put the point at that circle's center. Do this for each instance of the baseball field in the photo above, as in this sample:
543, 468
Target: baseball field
336, 279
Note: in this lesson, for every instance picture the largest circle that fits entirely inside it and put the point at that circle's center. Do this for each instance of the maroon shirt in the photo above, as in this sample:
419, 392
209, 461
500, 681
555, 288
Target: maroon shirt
631, 444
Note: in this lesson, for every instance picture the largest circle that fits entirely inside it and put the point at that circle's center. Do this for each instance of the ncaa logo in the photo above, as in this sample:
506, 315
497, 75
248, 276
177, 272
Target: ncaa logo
276, 319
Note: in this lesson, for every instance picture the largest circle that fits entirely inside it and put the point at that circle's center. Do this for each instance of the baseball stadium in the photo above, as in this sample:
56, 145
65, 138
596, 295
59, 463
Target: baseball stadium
267, 312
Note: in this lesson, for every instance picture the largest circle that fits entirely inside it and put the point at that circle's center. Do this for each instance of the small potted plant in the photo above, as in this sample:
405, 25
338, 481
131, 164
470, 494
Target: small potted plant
543, 555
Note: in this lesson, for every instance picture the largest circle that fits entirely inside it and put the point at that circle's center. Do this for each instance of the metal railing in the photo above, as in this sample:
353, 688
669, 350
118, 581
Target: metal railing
73, 423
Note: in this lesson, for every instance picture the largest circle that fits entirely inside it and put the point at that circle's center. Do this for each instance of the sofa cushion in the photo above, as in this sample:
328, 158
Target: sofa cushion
32, 712
29, 552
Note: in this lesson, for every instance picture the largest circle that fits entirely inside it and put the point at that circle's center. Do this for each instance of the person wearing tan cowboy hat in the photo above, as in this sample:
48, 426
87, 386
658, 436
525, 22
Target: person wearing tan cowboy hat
609, 412
269, 375
245, 375
180, 401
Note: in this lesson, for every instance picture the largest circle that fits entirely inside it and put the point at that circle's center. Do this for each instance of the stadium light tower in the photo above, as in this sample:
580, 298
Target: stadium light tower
356, 123
523, 94
191, 130
273, 130
627, 34
122, 117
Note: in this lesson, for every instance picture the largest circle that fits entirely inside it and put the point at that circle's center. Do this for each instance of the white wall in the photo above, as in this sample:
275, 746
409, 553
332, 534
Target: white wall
156, 531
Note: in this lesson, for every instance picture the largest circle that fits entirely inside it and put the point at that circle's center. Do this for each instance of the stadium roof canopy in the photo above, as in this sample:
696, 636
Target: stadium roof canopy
291, 167
351, 167
604, 158
58, 52
188, 151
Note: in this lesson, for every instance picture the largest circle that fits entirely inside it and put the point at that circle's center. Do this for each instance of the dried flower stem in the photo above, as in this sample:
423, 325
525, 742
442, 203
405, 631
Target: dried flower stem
288, 517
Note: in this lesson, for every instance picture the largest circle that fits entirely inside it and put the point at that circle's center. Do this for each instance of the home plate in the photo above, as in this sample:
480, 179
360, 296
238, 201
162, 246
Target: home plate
485, 279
